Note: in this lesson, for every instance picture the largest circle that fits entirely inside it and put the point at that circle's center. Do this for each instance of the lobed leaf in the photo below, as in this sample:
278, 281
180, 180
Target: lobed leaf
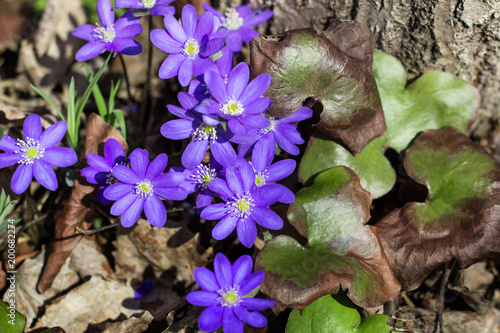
375, 172
334, 68
334, 314
461, 217
435, 100
341, 250
12, 321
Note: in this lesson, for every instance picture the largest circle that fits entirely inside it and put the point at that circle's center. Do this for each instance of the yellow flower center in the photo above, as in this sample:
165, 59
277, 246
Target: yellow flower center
232, 21
148, 3
144, 188
105, 34
233, 108
230, 297
30, 151
191, 48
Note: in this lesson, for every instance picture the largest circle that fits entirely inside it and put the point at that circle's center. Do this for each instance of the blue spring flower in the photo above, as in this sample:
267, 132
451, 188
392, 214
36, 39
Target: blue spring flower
204, 130
189, 45
266, 174
100, 169
237, 100
224, 295
111, 36
155, 7
198, 88
235, 25
281, 131
35, 154
245, 204
141, 187
198, 179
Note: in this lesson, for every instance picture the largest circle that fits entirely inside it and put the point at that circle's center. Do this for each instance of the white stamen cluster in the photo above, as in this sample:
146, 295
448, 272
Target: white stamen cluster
242, 205
229, 297
30, 150
105, 34
205, 132
232, 20
110, 178
191, 48
148, 3
144, 188
268, 129
260, 179
204, 175
232, 108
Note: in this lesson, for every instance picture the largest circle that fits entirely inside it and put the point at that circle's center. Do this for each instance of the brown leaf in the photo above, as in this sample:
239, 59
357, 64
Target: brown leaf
171, 246
461, 217
131, 325
333, 68
46, 60
76, 207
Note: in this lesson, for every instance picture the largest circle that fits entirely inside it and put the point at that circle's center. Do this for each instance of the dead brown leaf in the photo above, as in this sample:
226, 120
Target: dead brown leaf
77, 205
173, 246
46, 60
131, 325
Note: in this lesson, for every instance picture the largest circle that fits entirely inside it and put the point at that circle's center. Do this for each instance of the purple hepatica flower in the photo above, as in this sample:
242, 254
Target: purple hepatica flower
205, 131
155, 7
238, 101
35, 154
111, 36
224, 65
189, 45
224, 295
100, 170
281, 131
235, 25
198, 179
267, 175
245, 205
141, 188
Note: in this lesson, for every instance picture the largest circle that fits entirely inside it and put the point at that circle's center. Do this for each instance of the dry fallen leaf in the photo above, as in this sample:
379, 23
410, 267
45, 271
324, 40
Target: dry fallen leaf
76, 208
155, 244
93, 302
28, 300
46, 61
131, 325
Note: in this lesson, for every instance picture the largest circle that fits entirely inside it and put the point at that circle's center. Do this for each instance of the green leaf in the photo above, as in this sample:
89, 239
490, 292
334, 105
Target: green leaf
461, 217
376, 173
112, 94
88, 91
5, 207
341, 250
98, 97
12, 321
49, 100
435, 100
72, 128
118, 114
333, 68
334, 314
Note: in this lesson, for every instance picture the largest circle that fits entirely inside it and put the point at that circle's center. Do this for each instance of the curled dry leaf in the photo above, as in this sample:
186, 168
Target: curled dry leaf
76, 202
461, 217
46, 61
93, 302
172, 246
28, 300
341, 250
333, 68
131, 325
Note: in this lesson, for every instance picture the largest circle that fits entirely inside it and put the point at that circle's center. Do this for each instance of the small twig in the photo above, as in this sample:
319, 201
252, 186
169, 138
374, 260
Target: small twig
93, 231
180, 209
147, 86
407, 300
444, 282
35, 221
127, 82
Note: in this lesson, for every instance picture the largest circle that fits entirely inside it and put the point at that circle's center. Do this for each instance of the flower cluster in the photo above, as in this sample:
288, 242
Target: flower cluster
224, 295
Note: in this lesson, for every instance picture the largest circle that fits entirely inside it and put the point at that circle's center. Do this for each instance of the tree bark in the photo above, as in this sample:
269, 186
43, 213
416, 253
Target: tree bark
460, 37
